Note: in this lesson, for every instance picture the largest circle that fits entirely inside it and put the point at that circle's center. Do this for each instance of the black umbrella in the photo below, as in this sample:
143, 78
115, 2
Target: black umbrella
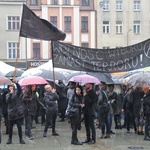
48, 74
19, 72
103, 77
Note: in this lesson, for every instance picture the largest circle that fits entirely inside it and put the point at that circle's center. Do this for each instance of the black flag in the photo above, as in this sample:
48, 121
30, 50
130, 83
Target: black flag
36, 28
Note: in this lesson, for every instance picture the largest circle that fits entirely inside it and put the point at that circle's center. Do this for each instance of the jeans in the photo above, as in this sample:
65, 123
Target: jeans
110, 117
103, 119
28, 124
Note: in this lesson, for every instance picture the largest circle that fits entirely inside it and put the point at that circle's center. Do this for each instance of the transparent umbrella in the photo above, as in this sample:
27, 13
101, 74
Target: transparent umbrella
139, 79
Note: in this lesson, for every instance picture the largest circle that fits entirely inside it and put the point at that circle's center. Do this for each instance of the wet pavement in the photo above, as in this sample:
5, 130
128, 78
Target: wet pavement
119, 141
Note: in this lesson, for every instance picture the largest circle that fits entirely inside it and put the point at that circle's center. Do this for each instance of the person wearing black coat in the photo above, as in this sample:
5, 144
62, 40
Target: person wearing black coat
112, 100
146, 109
30, 108
137, 109
103, 110
50, 98
4, 108
128, 106
15, 111
62, 102
90, 99
75, 104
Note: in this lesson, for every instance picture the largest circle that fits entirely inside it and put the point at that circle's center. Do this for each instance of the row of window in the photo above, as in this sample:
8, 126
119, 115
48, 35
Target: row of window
65, 2
12, 47
119, 27
14, 23
105, 5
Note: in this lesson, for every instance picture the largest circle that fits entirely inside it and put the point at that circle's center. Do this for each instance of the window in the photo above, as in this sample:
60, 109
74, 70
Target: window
105, 5
85, 45
67, 23
136, 27
137, 5
12, 49
36, 50
66, 2
119, 27
84, 24
85, 2
106, 47
13, 22
33, 2
118, 5
105, 26
53, 20
54, 2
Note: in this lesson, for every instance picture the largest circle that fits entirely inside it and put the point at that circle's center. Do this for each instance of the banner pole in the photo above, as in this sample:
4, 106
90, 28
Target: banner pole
18, 46
53, 64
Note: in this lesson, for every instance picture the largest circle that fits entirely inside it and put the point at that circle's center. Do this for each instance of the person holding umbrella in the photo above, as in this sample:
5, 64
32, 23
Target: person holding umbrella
30, 108
15, 111
90, 99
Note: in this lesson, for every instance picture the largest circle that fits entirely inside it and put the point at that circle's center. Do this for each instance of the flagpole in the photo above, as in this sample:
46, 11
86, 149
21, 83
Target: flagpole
53, 64
18, 46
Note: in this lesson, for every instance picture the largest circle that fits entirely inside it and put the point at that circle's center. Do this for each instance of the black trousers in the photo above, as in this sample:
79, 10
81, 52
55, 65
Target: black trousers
89, 125
6, 122
74, 125
50, 119
103, 119
130, 121
11, 124
42, 116
117, 120
147, 126
0, 129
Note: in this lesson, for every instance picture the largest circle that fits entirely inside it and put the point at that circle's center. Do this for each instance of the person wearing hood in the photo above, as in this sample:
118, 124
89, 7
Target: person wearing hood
50, 99
146, 109
75, 104
15, 111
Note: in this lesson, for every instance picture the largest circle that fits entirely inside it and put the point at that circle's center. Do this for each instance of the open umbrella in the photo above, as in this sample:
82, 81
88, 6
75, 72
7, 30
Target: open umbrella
73, 74
19, 72
31, 80
85, 78
5, 81
48, 74
103, 77
139, 79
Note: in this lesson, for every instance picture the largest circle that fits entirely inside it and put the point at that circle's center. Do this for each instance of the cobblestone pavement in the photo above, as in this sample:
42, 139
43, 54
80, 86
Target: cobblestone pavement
119, 141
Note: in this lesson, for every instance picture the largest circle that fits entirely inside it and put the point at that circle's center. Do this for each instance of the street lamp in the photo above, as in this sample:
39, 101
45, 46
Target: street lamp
128, 36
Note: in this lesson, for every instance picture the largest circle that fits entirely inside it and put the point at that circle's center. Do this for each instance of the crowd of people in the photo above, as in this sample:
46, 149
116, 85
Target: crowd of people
88, 104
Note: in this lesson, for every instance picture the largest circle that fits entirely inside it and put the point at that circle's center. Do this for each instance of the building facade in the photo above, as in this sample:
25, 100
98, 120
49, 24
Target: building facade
122, 23
75, 17
10, 16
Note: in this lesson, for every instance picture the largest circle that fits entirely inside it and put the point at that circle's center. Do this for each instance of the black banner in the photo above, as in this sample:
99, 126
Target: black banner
101, 60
